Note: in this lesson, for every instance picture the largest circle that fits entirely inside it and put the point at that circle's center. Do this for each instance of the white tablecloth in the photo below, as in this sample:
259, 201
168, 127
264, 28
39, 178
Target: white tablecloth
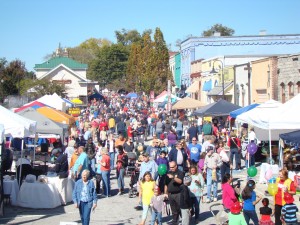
70, 185
38, 196
11, 188
264, 168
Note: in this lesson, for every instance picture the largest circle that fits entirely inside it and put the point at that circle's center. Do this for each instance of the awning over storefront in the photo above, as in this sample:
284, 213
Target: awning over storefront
218, 90
193, 88
207, 85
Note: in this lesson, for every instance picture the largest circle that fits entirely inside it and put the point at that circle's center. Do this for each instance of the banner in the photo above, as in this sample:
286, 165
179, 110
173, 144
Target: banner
74, 111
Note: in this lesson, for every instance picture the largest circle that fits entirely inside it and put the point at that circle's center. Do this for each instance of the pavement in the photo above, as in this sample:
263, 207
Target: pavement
117, 210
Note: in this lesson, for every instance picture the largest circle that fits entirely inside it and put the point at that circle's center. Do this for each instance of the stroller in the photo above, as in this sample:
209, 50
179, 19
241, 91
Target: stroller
131, 163
219, 213
134, 178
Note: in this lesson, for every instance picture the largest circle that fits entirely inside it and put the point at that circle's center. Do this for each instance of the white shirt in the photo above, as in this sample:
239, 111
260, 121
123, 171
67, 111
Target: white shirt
251, 136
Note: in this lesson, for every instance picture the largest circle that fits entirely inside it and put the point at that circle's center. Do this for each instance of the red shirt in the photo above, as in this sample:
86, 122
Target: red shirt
129, 132
279, 195
103, 124
106, 159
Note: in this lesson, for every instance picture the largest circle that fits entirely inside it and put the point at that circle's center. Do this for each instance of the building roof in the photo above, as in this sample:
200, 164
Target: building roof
218, 90
54, 62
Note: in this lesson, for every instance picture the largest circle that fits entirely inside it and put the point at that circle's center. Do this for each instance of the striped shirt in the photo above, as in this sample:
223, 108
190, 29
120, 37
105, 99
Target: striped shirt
288, 212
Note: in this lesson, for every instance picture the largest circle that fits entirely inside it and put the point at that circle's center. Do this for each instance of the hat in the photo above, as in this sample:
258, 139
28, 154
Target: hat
187, 179
236, 208
55, 151
210, 147
146, 154
288, 198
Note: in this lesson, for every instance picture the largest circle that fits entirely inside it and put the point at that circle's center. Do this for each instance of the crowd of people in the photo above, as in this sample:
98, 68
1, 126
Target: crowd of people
197, 154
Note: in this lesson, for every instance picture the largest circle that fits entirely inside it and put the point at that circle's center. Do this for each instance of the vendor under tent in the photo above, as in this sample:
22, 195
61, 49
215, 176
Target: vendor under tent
17, 126
289, 152
56, 115
219, 108
187, 103
240, 111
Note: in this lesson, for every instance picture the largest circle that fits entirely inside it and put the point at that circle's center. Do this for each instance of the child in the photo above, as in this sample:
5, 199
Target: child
196, 189
235, 217
145, 194
289, 210
265, 213
185, 201
157, 204
249, 197
162, 160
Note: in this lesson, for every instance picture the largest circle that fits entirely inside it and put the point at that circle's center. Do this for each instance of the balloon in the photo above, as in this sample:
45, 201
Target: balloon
269, 174
272, 189
252, 171
162, 169
252, 148
272, 181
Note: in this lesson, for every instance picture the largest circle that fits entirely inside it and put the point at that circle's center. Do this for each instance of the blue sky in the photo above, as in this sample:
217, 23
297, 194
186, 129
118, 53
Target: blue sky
31, 29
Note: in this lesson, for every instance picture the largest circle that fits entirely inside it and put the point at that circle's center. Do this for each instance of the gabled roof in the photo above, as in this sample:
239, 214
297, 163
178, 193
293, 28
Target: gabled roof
54, 62
66, 68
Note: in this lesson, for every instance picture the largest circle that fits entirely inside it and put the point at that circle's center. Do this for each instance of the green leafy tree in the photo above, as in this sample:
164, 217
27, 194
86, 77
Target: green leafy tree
223, 30
127, 37
109, 65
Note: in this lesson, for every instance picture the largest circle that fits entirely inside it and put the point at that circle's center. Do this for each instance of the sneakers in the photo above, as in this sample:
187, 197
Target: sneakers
120, 193
215, 199
207, 201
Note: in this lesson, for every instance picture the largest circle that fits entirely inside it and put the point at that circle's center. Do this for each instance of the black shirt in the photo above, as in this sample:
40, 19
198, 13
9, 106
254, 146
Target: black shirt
193, 133
265, 210
128, 147
174, 187
61, 166
185, 198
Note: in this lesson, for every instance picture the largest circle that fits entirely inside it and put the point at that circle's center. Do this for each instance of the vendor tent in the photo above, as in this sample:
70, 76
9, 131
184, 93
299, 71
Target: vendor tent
291, 138
165, 98
68, 102
77, 101
56, 115
96, 96
33, 104
16, 125
2, 137
259, 116
53, 101
286, 116
161, 94
132, 95
187, 103
240, 111
44, 125
219, 108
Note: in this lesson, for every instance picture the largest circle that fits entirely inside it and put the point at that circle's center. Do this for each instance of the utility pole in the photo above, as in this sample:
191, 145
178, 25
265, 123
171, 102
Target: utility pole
249, 82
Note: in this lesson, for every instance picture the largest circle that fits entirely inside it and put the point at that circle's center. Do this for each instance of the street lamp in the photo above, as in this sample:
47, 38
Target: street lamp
213, 71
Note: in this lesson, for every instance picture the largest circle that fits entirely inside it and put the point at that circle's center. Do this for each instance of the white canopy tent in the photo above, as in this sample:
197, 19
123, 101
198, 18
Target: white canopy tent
2, 137
17, 126
165, 98
53, 101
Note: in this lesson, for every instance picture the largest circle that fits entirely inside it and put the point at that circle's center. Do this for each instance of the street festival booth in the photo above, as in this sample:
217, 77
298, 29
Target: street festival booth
269, 119
53, 101
15, 126
187, 103
33, 104
56, 115
290, 156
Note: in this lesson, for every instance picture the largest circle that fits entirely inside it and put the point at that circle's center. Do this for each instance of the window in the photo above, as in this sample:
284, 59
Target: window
282, 92
291, 90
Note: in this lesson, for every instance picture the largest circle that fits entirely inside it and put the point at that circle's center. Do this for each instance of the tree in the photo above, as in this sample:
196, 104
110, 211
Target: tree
127, 37
110, 64
223, 30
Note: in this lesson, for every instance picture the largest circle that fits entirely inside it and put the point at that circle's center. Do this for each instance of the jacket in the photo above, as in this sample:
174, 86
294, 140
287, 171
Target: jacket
92, 196
228, 196
173, 156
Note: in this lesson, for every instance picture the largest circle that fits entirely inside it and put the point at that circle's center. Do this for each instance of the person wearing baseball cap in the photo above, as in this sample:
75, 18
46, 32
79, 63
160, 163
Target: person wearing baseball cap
289, 210
235, 216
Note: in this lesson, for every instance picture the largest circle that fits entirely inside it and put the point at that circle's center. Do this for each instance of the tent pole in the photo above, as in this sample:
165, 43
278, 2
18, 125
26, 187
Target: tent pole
270, 146
34, 144
20, 175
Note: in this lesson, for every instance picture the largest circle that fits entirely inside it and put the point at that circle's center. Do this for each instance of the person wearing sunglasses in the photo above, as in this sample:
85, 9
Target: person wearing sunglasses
195, 151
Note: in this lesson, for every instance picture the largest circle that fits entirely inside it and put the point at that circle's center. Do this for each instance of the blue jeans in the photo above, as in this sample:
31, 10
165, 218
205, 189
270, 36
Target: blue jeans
85, 212
200, 129
158, 134
235, 152
250, 214
156, 215
112, 160
106, 182
196, 206
210, 182
120, 177
179, 134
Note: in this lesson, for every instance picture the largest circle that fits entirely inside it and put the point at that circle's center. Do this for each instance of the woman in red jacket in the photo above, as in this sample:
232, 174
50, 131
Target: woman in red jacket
228, 194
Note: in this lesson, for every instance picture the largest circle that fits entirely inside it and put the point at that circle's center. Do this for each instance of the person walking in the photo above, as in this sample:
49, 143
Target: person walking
85, 197
172, 190
122, 162
105, 171
235, 144
145, 194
